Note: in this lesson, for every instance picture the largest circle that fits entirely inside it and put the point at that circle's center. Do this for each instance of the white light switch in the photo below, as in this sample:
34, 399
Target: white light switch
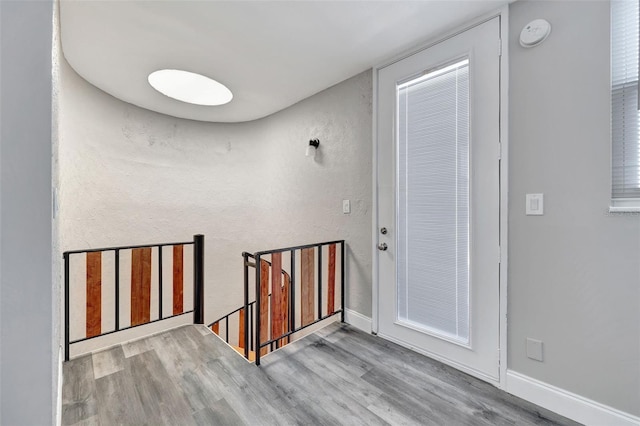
535, 204
346, 206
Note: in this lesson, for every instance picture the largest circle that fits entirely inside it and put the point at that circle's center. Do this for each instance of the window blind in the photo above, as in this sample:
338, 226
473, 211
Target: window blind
433, 202
624, 104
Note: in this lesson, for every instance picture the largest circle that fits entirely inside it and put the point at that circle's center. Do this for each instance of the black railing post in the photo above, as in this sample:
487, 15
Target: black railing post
245, 257
257, 315
117, 286
160, 282
292, 293
319, 282
198, 279
251, 339
342, 280
66, 306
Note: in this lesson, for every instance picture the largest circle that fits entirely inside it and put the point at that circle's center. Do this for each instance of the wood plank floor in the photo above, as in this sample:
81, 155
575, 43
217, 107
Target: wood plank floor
337, 376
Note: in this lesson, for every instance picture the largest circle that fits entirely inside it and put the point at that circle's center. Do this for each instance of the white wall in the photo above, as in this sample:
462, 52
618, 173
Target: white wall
131, 176
574, 273
27, 327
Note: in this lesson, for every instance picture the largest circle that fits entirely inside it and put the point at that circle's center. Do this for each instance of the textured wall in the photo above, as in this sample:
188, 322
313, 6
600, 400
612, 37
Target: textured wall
26, 307
130, 176
574, 273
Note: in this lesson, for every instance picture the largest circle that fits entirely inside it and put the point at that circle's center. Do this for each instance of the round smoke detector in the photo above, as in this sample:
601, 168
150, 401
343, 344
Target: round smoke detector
535, 32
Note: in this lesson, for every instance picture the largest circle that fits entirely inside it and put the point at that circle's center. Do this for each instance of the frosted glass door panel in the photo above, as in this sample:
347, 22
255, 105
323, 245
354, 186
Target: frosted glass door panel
433, 202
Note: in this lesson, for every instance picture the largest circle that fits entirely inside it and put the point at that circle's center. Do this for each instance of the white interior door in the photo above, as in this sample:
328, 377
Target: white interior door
439, 200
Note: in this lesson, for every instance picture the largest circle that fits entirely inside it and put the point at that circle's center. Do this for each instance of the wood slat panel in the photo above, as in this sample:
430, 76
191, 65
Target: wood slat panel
276, 295
178, 278
264, 304
94, 294
140, 286
284, 307
307, 307
241, 330
331, 283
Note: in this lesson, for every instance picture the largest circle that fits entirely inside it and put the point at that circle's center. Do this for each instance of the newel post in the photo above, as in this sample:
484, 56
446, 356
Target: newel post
258, 314
246, 325
198, 279
66, 306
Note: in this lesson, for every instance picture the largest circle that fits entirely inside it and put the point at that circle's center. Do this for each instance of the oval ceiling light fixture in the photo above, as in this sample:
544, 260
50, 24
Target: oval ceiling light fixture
190, 87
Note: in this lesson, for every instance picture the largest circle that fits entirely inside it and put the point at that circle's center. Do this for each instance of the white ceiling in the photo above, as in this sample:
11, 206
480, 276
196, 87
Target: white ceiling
271, 54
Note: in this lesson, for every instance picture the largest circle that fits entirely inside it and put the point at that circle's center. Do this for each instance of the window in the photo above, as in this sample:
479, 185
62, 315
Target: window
625, 129
433, 201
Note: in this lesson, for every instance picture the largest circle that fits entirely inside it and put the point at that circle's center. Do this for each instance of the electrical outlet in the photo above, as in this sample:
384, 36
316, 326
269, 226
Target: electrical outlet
534, 349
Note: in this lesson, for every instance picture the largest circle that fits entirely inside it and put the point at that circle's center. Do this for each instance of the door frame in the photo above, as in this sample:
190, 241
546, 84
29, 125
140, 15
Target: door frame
503, 155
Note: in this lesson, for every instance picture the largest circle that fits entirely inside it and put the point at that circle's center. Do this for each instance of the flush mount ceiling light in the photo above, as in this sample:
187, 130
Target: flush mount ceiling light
190, 87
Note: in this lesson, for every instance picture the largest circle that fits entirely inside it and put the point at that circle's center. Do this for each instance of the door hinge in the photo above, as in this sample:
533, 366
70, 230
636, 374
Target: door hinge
499, 47
499, 150
499, 255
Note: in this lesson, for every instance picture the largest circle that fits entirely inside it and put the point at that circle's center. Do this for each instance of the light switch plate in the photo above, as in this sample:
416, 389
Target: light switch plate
535, 204
346, 206
534, 349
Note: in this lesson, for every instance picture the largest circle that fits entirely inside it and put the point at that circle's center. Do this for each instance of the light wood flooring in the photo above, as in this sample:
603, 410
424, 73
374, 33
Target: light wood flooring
336, 376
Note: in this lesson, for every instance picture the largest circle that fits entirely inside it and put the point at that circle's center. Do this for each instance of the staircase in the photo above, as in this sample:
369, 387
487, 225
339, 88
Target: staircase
285, 290
281, 305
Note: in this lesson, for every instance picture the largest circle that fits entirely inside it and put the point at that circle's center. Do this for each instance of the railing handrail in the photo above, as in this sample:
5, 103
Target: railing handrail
93, 250
253, 265
306, 246
84, 339
231, 313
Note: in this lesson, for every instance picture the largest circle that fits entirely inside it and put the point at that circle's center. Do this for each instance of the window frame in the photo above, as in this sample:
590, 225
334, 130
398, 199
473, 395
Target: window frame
618, 203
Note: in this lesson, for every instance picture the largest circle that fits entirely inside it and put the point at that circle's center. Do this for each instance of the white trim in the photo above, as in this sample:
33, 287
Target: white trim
374, 209
621, 205
438, 70
358, 320
58, 406
566, 403
504, 191
128, 335
433, 332
472, 372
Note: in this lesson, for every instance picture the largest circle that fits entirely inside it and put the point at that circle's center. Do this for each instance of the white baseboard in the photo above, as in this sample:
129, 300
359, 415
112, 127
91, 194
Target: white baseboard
58, 406
566, 403
357, 320
122, 337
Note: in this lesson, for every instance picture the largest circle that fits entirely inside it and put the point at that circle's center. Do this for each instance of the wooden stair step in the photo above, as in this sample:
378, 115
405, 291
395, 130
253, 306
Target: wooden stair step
252, 354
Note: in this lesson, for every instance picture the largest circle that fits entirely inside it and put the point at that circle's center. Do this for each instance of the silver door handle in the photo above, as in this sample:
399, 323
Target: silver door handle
382, 247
